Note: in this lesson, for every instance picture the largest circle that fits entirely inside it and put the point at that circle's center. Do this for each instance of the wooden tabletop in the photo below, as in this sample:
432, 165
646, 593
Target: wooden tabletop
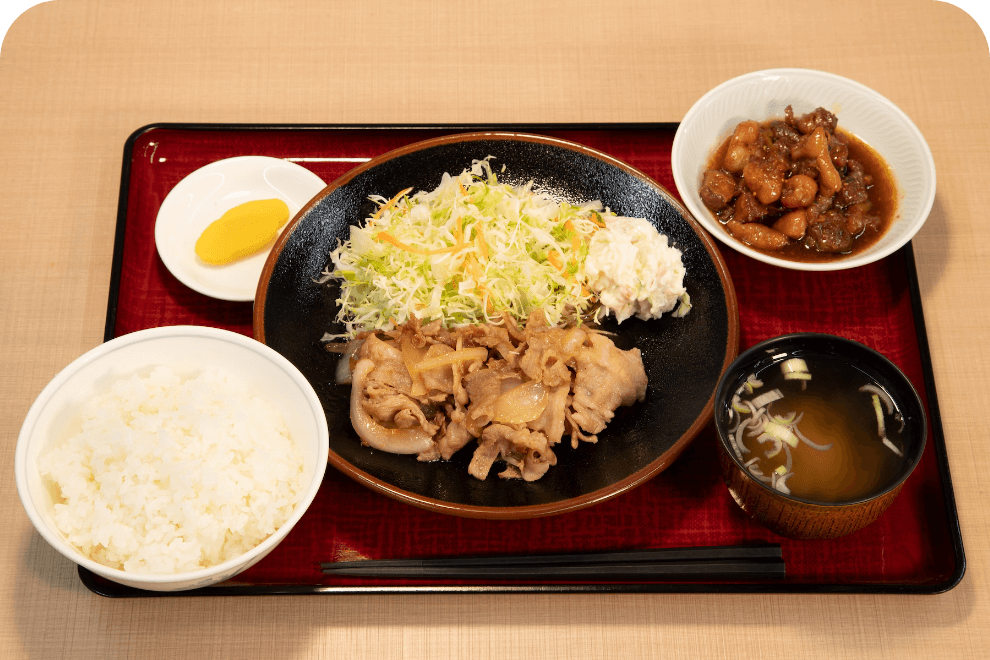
78, 76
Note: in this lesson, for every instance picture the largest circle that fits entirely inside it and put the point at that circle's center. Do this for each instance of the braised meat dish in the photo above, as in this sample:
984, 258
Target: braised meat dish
516, 392
799, 187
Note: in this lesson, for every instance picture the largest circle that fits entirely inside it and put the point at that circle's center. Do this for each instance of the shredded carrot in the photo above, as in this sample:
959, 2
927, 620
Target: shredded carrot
471, 264
388, 238
391, 203
480, 242
554, 260
487, 296
447, 250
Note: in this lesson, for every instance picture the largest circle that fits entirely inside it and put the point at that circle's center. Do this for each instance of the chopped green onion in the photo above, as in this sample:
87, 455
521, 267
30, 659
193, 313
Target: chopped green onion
767, 398
795, 369
881, 427
892, 447
780, 432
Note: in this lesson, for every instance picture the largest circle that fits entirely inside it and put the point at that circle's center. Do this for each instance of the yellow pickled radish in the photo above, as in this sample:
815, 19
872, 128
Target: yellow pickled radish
242, 231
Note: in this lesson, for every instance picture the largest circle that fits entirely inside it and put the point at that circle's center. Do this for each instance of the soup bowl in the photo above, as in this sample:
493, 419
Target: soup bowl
817, 434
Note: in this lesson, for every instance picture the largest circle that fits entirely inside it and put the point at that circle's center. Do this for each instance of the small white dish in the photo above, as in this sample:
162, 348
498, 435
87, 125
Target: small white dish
187, 350
763, 95
207, 194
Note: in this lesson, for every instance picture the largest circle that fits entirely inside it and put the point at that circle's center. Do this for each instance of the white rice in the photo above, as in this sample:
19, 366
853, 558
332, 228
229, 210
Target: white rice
169, 476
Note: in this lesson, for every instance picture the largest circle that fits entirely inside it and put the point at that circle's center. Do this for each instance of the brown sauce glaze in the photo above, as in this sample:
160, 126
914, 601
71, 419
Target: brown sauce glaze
777, 141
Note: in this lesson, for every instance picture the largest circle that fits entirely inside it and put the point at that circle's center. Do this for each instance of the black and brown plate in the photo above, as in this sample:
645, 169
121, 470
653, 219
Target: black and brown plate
684, 357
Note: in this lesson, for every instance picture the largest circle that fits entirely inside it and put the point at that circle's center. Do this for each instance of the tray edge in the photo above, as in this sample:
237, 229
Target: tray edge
907, 255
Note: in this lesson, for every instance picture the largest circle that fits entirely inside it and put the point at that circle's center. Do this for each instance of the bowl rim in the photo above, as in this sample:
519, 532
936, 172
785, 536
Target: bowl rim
194, 333
911, 394
534, 510
687, 189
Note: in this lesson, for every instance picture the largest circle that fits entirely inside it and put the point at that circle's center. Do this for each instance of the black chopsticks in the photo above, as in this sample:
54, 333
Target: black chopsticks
742, 562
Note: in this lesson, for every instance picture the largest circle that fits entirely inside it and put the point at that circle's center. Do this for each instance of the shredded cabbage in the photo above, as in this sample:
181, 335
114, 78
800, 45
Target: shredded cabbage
465, 253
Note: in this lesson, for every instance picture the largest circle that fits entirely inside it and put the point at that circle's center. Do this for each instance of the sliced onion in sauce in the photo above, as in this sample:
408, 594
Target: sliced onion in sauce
411, 356
346, 361
463, 355
521, 404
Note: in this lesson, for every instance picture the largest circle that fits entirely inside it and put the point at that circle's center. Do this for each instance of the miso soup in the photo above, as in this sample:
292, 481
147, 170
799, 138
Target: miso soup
817, 428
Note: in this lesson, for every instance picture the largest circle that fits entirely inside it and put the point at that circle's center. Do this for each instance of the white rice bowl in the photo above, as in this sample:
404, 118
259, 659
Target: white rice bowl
198, 452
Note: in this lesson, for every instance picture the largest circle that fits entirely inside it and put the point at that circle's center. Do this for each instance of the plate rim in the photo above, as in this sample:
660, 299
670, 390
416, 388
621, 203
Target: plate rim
615, 489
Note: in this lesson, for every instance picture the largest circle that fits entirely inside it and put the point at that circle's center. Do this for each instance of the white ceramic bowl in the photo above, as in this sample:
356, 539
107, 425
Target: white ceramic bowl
188, 350
764, 95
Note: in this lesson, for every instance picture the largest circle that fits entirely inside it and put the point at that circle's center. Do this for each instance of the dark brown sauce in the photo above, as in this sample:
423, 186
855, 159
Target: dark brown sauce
882, 194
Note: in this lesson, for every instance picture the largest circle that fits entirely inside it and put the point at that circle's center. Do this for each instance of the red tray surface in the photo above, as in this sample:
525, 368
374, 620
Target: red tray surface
914, 546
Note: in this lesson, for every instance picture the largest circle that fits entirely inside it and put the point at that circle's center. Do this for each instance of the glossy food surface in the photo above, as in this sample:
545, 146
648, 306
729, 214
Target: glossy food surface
684, 357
